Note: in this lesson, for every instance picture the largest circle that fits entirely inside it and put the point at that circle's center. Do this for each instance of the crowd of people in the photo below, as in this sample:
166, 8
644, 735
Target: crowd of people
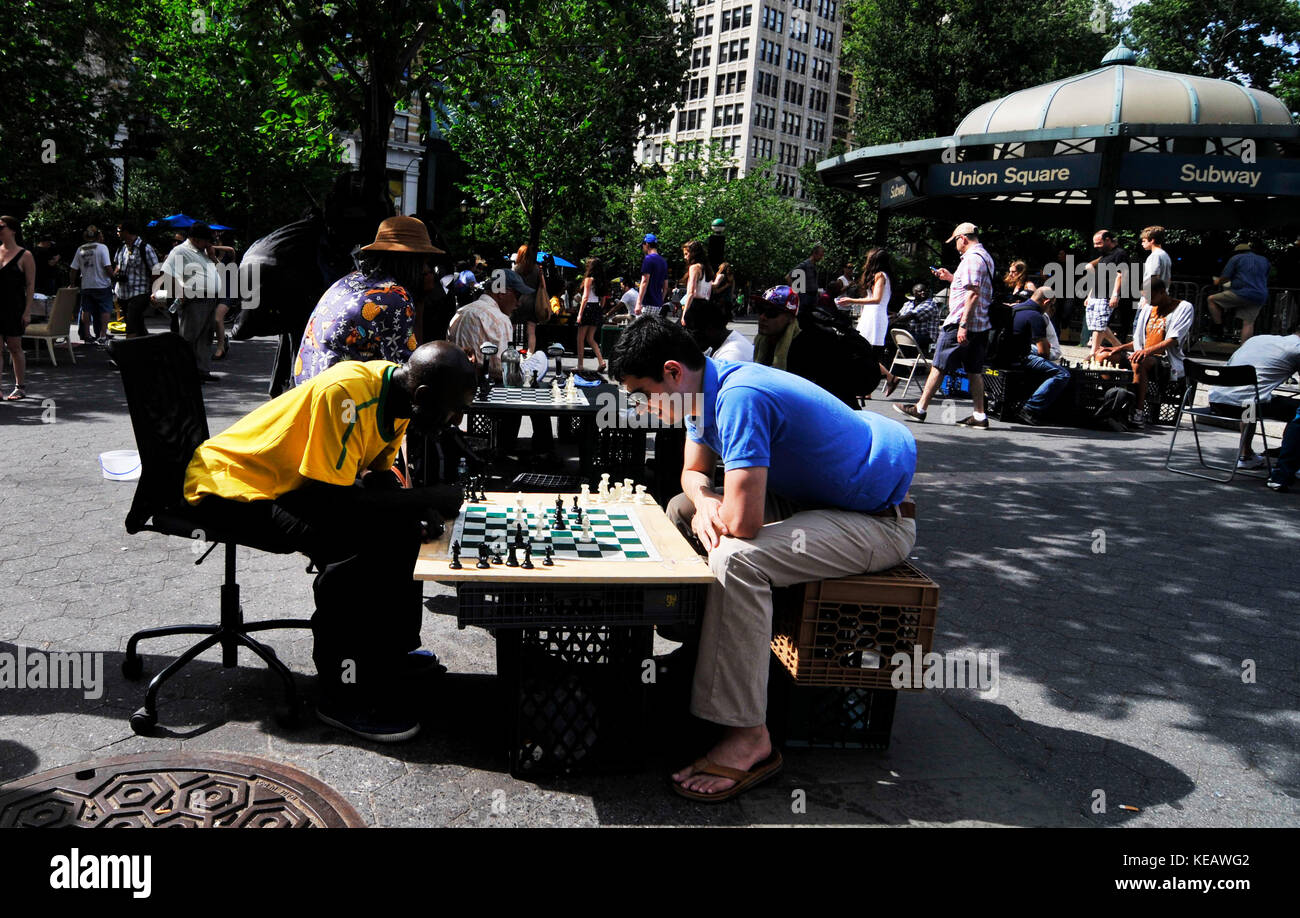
400, 344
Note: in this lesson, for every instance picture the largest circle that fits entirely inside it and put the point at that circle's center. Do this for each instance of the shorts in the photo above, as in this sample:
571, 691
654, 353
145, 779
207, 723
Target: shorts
100, 300
648, 310
1242, 309
11, 320
1097, 314
592, 315
949, 355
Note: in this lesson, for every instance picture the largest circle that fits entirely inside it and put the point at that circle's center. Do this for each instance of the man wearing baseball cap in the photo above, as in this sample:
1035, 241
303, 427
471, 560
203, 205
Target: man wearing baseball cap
964, 337
654, 278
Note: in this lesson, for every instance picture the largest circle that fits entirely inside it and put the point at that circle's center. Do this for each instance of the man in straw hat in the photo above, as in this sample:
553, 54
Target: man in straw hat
370, 314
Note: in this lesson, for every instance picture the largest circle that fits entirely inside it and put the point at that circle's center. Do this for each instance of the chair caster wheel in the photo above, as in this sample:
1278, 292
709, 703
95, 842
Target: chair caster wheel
142, 722
132, 667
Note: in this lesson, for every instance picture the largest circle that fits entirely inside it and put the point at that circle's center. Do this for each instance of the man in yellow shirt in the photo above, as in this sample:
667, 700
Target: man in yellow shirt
285, 478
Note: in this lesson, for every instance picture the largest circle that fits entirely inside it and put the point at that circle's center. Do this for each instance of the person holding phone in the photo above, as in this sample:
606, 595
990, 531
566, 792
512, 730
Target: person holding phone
964, 336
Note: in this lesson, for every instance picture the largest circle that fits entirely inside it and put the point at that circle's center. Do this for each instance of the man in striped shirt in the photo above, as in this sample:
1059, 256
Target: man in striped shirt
135, 262
964, 337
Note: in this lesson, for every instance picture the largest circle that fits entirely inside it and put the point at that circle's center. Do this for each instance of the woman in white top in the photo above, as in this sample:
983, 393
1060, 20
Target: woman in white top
698, 272
875, 289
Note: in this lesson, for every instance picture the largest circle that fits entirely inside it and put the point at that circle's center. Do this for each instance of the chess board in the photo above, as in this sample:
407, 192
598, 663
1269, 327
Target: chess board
540, 396
616, 533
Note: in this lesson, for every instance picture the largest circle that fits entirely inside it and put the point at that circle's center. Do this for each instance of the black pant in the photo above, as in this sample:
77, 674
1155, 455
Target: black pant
368, 607
135, 310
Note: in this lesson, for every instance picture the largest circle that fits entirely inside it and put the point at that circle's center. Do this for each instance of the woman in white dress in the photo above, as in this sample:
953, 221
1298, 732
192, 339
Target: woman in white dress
875, 288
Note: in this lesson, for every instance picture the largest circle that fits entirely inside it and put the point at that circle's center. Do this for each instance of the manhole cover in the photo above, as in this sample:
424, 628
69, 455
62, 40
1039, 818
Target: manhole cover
174, 790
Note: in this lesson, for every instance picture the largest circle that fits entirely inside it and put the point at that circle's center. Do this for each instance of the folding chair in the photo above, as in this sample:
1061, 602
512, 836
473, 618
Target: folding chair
1198, 373
902, 338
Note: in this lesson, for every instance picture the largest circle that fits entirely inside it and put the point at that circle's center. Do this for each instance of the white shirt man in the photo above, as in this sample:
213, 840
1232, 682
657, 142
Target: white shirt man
736, 347
94, 266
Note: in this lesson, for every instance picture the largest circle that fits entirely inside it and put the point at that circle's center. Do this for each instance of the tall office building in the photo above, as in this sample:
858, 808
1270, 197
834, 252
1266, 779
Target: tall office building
762, 83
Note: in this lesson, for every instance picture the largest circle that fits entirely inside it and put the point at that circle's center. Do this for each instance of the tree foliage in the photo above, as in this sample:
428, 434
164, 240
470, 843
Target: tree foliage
767, 233
547, 116
922, 65
1253, 42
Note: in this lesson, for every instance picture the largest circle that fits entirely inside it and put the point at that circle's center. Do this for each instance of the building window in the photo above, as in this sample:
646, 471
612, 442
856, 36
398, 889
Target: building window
703, 25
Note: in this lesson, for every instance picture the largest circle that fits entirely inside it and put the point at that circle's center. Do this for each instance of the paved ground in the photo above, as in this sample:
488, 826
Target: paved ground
1120, 672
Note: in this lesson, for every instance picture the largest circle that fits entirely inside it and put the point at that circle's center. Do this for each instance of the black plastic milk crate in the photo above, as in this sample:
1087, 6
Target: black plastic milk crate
1006, 391
575, 698
573, 605
828, 716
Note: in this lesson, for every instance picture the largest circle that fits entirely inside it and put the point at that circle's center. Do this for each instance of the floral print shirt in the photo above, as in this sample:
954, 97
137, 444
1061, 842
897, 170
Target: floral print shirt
358, 318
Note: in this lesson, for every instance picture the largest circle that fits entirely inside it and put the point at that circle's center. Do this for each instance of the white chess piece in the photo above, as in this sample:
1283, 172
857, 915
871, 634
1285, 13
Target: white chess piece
604, 487
584, 499
641, 496
555, 390
586, 528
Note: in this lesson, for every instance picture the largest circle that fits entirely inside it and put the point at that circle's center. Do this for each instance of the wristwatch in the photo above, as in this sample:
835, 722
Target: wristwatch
961, 324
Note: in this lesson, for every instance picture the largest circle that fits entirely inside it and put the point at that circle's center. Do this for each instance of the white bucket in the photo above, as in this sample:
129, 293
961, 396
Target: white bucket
120, 464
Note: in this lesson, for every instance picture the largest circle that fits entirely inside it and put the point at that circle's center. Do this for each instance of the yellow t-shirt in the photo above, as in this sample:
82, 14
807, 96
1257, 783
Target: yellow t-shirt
328, 429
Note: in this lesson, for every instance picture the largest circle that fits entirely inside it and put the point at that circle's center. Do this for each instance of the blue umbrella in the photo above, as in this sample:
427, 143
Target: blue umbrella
560, 262
219, 227
180, 221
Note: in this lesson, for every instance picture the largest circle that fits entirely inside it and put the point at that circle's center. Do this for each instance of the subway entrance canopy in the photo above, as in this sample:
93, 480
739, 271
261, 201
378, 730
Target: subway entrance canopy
1121, 146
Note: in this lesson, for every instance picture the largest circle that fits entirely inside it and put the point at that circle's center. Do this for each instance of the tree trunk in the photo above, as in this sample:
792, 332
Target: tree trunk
376, 124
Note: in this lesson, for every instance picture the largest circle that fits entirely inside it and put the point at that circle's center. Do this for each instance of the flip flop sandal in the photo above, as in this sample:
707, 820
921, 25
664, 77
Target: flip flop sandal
745, 780
18, 394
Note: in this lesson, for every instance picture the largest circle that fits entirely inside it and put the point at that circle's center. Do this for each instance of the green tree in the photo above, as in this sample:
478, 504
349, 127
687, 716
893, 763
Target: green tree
241, 139
922, 65
547, 118
1253, 42
60, 107
767, 233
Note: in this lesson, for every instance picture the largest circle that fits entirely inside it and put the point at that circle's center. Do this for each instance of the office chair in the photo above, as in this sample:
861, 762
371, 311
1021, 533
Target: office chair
165, 401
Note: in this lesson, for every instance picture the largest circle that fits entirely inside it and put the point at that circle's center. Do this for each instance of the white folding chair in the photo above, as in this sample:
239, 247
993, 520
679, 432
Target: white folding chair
914, 361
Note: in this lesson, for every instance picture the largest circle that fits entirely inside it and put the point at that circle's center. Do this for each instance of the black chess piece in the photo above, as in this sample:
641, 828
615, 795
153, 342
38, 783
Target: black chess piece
575, 505
482, 556
513, 560
549, 552
528, 558
455, 555
496, 557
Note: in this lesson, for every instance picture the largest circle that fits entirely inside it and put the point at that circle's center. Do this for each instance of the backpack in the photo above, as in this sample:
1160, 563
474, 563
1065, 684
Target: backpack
1001, 353
850, 359
1115, 407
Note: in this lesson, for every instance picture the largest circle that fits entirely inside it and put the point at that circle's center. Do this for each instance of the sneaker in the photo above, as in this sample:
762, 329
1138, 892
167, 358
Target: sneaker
971, 422
423, 663
910, 412
368, 721
1028, 417
1254, 462
103, 341
1276, 486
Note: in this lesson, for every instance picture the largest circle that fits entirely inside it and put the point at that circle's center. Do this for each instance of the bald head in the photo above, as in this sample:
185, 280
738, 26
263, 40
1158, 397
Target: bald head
439, 381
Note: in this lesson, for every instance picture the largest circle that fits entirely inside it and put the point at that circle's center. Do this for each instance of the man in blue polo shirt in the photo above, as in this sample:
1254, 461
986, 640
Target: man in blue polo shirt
813, 490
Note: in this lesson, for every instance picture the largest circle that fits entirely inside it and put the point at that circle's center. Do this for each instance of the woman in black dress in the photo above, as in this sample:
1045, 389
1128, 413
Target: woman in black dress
17, 289
590, 315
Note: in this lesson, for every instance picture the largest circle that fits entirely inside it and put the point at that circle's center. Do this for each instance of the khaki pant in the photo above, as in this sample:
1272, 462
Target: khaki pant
794, 546
198, 322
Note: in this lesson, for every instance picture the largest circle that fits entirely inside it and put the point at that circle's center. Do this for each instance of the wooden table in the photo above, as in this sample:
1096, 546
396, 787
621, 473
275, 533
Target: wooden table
678, 564
575, 640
